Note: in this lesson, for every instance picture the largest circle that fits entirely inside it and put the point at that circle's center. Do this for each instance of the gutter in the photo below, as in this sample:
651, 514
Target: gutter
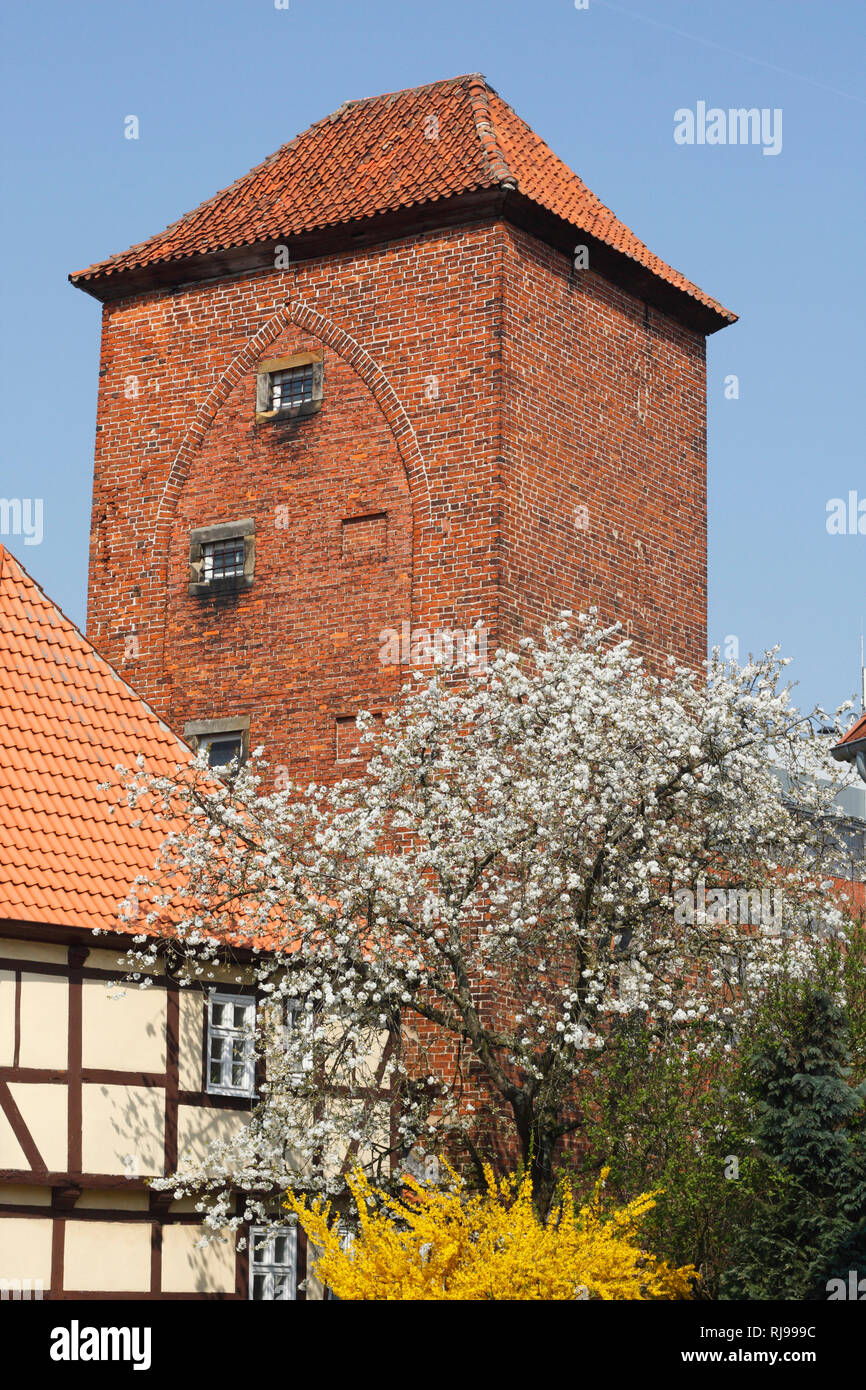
852, 753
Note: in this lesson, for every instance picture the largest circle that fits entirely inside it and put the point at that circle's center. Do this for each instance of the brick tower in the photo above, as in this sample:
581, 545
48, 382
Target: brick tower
407, 371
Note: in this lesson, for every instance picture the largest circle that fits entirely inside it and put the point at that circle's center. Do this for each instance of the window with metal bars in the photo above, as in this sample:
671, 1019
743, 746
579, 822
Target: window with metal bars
289, 388
230, 1050
223, 559
273, 1264
292, 387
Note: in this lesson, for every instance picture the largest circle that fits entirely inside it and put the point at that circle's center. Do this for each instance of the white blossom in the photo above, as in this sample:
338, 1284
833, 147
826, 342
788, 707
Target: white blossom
502, 877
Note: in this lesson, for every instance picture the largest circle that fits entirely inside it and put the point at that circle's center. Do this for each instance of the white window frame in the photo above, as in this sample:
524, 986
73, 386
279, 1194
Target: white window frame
265, 1264
248, 1003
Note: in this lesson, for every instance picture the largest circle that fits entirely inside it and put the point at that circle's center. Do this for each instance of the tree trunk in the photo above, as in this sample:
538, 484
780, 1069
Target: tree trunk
537, 1148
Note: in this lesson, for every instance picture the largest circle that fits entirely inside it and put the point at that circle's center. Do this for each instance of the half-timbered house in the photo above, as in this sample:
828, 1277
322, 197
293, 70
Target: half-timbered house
101, 1088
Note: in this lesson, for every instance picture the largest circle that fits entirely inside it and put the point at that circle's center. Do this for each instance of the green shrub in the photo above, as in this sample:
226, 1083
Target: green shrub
810, 1130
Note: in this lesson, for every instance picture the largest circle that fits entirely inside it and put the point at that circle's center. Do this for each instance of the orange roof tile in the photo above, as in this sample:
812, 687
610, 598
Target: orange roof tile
856, 734
402, 150
71, 849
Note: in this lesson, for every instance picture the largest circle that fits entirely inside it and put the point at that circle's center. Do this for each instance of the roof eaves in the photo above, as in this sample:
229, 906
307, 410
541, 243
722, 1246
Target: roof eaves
106, 266
846, 752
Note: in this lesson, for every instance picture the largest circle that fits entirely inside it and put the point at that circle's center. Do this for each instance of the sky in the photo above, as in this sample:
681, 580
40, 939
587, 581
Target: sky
217, 85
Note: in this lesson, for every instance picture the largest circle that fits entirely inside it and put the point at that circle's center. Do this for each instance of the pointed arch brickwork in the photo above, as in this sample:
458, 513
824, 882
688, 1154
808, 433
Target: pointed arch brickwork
294, 312
304, 316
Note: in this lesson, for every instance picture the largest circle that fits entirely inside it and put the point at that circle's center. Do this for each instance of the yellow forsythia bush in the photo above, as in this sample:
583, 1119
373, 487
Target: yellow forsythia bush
447, 1243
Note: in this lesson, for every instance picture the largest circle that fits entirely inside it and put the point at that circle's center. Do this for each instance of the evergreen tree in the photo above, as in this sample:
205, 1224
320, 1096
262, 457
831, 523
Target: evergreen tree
810, 1125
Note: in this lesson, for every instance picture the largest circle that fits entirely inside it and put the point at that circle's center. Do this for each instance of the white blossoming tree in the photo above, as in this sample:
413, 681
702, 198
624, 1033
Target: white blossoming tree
496, 892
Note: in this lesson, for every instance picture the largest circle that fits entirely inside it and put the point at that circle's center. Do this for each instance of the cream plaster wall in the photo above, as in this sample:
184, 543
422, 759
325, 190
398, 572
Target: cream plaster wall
43, 1110
188, 1270
126, 1033
199, 1127
113, 1256
25, 1248
123, 1129
44, 1020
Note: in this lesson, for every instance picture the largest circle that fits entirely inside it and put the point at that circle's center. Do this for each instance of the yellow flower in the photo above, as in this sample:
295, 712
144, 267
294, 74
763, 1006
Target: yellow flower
447, 1243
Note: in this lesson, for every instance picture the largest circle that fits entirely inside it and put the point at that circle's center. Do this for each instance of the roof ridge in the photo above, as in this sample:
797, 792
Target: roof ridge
485, 125
572, 173
403, 91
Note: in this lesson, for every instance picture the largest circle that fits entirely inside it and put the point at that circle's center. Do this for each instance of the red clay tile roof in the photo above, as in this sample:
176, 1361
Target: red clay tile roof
71, 851
384, 153
856, 734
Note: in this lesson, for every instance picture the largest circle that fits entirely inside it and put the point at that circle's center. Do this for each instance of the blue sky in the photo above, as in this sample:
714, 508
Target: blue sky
219, 84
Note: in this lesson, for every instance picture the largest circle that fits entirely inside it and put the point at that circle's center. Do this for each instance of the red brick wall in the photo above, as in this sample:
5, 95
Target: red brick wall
299, 648
477, 390
407, 427
604, 498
